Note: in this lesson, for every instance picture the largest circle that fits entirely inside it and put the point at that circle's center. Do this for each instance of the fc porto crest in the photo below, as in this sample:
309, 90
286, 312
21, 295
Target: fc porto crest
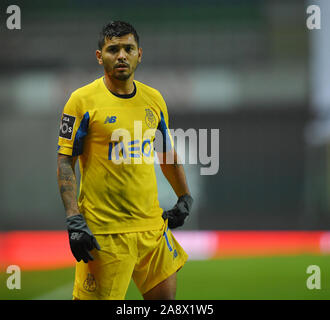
90, 283
150, 118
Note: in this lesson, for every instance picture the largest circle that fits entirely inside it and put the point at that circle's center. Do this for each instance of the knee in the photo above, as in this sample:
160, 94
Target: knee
165, 290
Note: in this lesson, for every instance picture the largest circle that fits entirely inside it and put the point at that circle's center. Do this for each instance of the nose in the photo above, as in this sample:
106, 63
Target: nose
122, 54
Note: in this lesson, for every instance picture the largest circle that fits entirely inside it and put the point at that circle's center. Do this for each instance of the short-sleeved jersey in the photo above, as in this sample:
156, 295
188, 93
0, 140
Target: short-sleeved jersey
114, 139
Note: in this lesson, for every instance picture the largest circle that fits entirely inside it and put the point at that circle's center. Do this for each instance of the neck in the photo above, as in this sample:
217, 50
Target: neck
119, 86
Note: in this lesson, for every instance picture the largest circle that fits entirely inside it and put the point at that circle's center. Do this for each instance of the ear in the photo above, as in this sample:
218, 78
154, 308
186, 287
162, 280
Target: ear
140, 55
98, 54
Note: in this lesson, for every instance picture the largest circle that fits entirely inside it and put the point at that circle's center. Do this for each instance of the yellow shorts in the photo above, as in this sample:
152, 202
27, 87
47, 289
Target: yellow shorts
148, 257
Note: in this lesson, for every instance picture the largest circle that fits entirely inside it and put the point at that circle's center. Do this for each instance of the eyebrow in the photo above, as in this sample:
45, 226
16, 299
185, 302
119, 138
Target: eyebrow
118, 45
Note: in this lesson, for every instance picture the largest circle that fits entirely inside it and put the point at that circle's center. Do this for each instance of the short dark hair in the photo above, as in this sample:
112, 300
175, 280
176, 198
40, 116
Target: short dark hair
116, 29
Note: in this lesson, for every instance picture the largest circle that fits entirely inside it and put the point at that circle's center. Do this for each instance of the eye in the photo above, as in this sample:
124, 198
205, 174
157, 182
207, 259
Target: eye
129, 48
112, 49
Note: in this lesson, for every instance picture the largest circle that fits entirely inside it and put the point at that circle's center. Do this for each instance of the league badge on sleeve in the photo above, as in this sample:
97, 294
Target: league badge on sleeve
66, 127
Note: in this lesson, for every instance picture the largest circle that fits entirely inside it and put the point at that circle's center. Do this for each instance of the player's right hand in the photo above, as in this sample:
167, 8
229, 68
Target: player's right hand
81, 238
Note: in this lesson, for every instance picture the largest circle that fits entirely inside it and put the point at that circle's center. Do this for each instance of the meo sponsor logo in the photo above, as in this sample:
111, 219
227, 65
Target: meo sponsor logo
130, 150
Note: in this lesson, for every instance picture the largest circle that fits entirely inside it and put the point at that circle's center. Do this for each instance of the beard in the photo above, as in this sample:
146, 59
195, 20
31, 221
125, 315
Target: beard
119, 75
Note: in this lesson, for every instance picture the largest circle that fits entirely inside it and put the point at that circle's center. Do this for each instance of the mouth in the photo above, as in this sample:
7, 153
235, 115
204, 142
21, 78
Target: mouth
121, 66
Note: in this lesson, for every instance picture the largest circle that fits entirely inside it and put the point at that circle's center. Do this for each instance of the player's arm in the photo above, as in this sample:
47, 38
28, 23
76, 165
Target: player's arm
81, 238
172, 170
174, 173
67, 183
70, 145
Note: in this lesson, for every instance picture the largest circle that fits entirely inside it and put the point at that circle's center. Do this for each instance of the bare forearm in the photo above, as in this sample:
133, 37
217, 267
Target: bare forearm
174, 173
67, 184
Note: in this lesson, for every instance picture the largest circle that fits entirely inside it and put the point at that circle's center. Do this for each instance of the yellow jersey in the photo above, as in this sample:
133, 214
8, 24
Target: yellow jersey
113, 137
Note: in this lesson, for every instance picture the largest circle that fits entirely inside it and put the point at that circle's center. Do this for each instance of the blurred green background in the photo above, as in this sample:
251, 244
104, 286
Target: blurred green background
251, 69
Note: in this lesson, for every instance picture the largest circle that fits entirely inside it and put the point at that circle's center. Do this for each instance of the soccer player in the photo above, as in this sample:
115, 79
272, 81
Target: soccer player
117, 230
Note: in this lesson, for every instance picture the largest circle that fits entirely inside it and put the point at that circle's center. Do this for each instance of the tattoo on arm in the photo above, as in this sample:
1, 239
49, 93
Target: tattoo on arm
67, 184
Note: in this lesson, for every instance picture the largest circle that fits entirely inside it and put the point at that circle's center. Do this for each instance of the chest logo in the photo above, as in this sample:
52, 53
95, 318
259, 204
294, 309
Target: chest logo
110, 119
150, 118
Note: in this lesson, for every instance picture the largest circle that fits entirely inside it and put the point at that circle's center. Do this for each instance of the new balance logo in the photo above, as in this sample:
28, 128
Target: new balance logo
76, 235
110, 119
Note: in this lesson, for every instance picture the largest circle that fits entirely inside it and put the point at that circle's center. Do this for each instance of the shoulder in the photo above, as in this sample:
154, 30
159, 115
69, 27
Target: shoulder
81, 97
87, 90
147, 90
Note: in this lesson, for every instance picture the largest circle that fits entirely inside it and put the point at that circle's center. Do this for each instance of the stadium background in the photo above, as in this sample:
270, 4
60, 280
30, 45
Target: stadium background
251, 69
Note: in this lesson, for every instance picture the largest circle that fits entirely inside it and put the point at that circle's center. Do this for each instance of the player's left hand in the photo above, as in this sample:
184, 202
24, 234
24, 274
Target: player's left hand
180, 211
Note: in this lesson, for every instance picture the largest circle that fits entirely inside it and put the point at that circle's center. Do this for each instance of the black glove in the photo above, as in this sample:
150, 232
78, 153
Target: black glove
180, 211
81, 238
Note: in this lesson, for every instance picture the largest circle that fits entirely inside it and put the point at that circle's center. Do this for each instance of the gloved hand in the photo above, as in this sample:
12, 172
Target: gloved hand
81, 238
180, 211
